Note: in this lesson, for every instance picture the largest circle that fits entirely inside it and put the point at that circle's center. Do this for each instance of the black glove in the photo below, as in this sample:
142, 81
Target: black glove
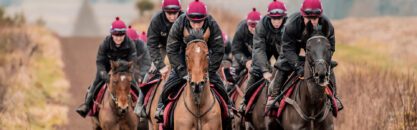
300, 71
182, 72
104, 76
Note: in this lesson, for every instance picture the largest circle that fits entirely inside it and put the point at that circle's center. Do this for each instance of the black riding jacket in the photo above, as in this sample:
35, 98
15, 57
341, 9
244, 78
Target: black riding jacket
266, 43
294, 38
176, 44
108, 51
242, 43
157, 37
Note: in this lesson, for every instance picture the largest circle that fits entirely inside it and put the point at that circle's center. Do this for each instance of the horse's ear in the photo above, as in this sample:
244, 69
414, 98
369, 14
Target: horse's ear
310, 28
186, 33
130, 64
114, 64
206, 35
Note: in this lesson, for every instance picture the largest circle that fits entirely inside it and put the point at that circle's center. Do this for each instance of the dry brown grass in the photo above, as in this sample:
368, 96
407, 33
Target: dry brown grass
31, 72
376, 78
376, 98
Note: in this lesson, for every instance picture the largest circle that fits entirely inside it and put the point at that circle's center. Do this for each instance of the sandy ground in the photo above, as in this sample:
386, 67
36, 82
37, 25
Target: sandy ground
79, 58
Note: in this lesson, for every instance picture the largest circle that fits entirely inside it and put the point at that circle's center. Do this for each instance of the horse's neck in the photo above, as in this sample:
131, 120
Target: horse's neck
108, 101
314, 93
205, 97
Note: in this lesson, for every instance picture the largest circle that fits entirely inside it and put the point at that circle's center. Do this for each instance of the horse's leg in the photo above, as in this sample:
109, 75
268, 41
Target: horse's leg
271, 123
292, 121
327, 124
182, 119
258, 116
95, 125
133, 120
213, 120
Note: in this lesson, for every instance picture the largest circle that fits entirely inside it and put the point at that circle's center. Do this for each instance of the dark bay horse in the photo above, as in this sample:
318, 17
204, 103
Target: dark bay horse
116, 109
309, 105
197, 108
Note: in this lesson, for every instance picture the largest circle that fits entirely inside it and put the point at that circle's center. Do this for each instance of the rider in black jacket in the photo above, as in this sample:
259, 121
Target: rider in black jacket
243, 41
158, 32
293, 39
266, 43
114, 47
196, 18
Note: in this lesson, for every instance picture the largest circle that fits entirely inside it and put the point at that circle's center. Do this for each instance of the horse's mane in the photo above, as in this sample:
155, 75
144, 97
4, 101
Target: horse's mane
195, 35
123, 66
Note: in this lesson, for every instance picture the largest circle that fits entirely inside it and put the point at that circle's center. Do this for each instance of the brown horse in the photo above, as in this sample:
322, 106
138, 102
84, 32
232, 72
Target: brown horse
116, 109
197, 108
257, 120
153, 103
309, 105
238, 121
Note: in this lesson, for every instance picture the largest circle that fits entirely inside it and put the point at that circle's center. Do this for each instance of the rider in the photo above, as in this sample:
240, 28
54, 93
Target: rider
294, 39
143, 61
143, 37
158, 32
266, 43
114, 47
227, 59
227, 48
196, 18
242, 42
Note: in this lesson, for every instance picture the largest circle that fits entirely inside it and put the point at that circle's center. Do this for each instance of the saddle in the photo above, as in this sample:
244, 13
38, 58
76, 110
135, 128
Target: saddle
289, 90
148, 88
260, 85
173, 99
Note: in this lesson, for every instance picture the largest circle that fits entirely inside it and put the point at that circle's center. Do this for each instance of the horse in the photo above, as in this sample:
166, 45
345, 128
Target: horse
257, 120
153, 102
116, 109
309, 103
197, 107
237, 97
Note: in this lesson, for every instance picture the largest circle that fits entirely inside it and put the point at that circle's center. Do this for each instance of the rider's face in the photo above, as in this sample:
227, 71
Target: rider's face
276, 22
197, 25
118, 39
251, 29
314, 20
171, 16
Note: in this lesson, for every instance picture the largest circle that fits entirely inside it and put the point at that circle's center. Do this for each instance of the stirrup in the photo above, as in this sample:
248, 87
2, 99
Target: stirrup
159, 115
242, 108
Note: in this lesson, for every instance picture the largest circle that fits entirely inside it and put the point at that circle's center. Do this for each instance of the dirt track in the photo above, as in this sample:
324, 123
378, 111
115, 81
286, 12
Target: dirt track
79, 58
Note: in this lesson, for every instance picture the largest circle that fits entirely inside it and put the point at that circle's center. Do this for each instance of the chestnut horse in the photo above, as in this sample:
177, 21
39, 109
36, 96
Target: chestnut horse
153, 102
197, 108
116, 109
309, 105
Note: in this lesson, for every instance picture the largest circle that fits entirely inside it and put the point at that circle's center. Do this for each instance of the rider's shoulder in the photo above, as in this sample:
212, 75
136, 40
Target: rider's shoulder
157, 17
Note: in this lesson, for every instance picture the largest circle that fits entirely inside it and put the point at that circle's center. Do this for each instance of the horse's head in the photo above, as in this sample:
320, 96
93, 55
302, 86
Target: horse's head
318, 55
119, 86
197, 60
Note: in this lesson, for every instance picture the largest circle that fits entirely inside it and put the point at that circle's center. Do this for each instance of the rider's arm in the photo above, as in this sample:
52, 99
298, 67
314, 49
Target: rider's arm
259, 48
289, 46
215, 45
154, 37
144, 60
102, 59
174, 45
238, 43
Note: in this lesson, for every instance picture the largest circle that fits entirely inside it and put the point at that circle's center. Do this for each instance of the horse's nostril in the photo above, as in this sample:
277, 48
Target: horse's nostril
123, 111
316, 74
